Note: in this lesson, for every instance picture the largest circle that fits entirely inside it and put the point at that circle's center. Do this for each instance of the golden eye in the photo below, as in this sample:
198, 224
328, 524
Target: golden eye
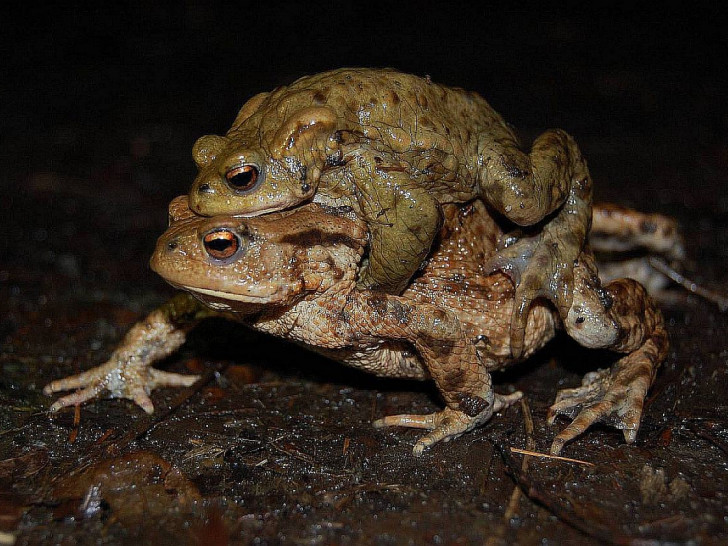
243, 178
221, 244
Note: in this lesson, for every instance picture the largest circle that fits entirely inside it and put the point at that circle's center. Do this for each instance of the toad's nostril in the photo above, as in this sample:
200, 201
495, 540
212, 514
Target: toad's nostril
172, 245
205, 188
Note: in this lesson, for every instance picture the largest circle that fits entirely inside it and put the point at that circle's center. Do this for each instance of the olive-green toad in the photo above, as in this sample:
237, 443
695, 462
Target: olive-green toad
396, 148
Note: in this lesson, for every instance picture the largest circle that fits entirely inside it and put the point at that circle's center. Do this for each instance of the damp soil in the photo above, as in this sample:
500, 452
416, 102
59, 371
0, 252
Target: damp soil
276, 444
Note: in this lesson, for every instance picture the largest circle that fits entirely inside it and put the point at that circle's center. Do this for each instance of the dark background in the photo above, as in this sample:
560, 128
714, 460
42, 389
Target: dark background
100, 106
107, 70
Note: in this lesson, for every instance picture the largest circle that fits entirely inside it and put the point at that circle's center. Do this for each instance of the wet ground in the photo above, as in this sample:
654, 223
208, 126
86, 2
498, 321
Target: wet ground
100, 110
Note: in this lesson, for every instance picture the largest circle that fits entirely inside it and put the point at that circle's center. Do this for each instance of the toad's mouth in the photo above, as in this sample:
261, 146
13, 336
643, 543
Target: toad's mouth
283, 206
271, 297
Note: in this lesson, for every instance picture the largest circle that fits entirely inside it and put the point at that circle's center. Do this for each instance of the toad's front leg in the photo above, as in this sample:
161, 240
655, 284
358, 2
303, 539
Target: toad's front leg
446, 424
619, 316
128, 372
449, 357
403, 221
549, 192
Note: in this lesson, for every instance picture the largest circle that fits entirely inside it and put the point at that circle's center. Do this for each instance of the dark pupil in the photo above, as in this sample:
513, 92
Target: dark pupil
243, 179
219, 244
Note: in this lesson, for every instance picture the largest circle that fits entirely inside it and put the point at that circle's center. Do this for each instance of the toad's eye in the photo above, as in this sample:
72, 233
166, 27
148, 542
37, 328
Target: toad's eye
221, 244
243, 178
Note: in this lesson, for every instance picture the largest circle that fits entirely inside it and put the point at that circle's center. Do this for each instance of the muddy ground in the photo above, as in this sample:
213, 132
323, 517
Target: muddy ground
100, 109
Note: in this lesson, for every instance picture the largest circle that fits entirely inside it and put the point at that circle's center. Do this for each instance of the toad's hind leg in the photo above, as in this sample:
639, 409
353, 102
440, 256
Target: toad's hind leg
619, 316
646, 247
618, 229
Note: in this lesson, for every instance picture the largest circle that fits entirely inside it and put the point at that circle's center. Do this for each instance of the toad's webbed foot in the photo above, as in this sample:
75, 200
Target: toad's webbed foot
541, 264
121, 380
446, 424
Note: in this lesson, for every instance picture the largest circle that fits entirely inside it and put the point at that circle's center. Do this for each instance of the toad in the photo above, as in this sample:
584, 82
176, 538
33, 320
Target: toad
293, 275
396, 148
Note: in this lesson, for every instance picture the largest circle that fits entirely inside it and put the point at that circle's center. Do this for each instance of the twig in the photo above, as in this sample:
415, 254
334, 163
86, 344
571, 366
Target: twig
548, 456
691, 286
346, 446
351, 492
531, 444
500, 533
567, 512
11, 430
292, 452
704, 432
76, 424
563, 508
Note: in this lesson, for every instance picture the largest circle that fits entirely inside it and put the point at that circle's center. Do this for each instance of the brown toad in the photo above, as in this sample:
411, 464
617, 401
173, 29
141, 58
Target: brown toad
293, 275
396, 148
